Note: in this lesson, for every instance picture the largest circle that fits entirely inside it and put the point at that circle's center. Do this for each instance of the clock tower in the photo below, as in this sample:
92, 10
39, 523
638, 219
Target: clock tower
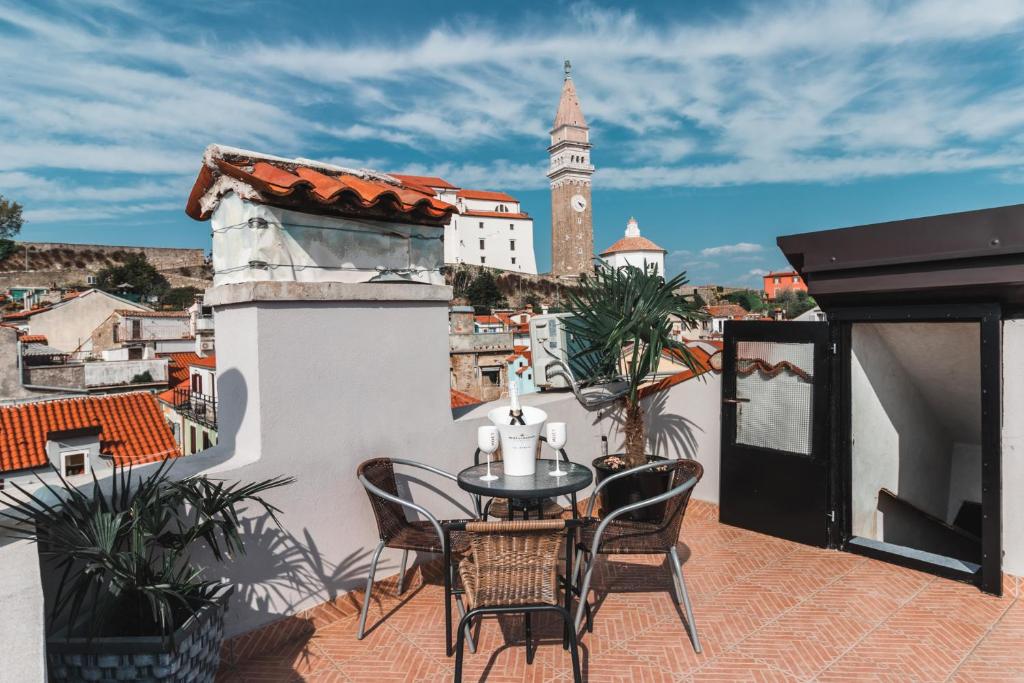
572, 225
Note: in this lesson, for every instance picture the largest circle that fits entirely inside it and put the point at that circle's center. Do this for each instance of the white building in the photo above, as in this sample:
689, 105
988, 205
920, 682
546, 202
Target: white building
634, 250
491, 228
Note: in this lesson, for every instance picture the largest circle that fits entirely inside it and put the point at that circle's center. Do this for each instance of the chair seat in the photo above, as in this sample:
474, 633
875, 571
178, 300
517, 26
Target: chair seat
625, 537
421, 536
549, 508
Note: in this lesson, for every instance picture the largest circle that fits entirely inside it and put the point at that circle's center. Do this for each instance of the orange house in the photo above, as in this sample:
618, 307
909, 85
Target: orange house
774, 283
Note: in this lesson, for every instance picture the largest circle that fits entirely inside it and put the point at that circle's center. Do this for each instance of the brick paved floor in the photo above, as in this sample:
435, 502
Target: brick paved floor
766, 609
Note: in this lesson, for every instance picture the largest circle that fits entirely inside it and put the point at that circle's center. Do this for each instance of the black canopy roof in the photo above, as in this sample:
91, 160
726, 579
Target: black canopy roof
968, 257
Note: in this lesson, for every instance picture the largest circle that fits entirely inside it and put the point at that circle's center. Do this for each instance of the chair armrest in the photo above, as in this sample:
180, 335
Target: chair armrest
475, 500
405, 503
617, 475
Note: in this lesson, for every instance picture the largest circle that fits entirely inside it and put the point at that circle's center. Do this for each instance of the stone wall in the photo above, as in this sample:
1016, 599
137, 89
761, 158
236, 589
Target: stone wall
58, 264
71, 376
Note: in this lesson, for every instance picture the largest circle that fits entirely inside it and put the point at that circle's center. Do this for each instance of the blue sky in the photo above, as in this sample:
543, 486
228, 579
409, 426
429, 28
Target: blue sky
719, 126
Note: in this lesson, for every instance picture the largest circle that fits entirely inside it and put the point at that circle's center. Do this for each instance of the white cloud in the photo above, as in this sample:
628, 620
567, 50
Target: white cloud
801, 91
732, 249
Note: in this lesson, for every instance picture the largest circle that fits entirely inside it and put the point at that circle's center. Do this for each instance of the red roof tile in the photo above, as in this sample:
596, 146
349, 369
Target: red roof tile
21, 315
489, 320
170, 396
632, 244
460, 399
205, 362
701, 361
429, 181
132, 427
727, 311
33, 339
312, 187
487, 195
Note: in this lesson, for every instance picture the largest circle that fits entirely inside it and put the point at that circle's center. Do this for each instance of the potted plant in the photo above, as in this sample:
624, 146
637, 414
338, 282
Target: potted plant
129, 603
622, 324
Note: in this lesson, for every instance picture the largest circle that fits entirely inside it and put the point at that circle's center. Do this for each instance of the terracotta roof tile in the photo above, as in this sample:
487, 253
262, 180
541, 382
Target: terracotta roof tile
632, 244
205, 362
33, 339
312, 187
21, 315
727, 311
170, 396
461, 399
177, 365
132, 427
428, 181
701, 360
487, 195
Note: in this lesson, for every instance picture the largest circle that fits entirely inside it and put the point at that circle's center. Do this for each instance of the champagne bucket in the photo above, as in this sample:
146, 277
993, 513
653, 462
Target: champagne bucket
519, 441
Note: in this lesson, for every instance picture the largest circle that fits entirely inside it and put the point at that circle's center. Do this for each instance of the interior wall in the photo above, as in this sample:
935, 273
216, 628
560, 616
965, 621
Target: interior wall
897, 440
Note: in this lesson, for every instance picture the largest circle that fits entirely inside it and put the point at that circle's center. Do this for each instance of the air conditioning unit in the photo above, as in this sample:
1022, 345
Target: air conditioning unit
206, 344
551, 341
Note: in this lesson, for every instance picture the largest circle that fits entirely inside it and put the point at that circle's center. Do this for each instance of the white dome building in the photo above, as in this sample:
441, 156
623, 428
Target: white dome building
634, 250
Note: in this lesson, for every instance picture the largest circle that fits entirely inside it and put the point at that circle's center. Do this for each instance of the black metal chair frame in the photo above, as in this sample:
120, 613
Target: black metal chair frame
524, 505
370, 487
569, 639
678, 582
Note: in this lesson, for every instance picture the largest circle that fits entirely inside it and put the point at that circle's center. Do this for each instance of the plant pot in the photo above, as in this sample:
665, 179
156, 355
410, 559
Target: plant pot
190, 655
633, 489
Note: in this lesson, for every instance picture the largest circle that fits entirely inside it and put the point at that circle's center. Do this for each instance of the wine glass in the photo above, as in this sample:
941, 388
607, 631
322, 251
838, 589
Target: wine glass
487, 441
556, 437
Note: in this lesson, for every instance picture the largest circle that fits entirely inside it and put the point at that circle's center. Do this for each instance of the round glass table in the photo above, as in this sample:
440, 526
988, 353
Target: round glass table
525, 492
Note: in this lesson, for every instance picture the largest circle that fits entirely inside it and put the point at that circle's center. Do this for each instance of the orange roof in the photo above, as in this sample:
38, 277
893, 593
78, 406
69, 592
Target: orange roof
205, 361
495, 214
782, 273
488, 195
460, 399
633, 244
169, 396
569, 113
727, 311
21, 315
310, 186
489, 320
177, 365
33, 339
424, 181
132, 429
701, 361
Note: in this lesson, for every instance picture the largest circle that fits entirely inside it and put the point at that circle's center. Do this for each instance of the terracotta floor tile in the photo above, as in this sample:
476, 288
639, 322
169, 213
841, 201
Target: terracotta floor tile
766, 610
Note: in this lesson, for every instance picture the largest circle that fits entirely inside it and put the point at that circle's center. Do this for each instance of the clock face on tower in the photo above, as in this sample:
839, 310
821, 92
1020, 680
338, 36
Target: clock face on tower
578, 203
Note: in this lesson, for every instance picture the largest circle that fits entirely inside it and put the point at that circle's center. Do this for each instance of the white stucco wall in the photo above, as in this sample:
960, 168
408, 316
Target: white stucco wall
462, 242
69, 326
1013, 447
898, 443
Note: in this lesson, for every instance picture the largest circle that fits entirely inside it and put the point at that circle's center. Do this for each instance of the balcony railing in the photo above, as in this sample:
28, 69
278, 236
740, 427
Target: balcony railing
197, 407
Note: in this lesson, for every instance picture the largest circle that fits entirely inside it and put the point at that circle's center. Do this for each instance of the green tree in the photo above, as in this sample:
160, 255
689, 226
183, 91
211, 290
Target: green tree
793, 302
141, 278
483, 292
180, 297
748, 299
10, 218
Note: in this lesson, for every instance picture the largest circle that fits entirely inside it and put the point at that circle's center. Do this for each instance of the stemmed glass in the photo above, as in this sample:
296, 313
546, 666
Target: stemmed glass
556, 437
487, 441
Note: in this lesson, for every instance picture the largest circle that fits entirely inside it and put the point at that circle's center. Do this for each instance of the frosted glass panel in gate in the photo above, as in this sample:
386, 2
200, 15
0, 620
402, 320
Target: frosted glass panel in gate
777, 382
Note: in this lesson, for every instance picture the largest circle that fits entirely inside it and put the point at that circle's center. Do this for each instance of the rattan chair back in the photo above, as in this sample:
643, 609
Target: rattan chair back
390, 516
513, 563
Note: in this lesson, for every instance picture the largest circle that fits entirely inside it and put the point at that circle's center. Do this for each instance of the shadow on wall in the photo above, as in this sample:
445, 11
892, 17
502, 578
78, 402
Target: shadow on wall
668, 434
233, 394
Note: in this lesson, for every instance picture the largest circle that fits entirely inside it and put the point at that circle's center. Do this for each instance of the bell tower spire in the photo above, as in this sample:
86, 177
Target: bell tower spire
572, 230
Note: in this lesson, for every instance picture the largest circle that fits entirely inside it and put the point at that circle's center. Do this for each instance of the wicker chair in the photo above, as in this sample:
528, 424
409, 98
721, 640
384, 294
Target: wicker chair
614, 535
512, 567
545, 508
396, 531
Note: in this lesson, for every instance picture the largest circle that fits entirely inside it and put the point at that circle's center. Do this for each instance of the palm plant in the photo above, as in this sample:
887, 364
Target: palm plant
622, 323
123, 553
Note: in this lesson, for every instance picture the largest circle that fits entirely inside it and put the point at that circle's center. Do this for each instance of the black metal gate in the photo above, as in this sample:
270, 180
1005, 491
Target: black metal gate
775, 429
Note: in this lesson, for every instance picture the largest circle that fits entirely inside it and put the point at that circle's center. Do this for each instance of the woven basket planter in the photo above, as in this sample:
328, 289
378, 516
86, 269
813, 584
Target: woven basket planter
190, 655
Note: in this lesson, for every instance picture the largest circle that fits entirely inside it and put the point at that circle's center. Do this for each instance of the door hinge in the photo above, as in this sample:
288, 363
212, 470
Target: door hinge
835, 348
831, 516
